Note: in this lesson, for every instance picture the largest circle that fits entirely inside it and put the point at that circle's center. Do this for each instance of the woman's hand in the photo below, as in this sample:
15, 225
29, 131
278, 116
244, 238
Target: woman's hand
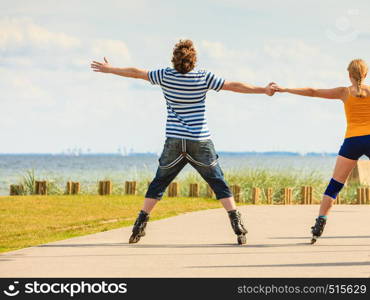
277, 88
336, 93
101, 67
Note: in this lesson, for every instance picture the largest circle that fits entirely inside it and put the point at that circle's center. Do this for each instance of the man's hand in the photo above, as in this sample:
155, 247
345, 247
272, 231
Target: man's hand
105, 67
270, 89
101, 67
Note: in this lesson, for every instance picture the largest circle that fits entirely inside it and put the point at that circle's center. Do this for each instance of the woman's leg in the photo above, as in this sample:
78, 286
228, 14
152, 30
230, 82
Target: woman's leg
343, 168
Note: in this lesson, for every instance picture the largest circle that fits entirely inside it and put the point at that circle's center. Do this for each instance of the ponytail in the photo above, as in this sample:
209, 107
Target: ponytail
358, 70
360, 93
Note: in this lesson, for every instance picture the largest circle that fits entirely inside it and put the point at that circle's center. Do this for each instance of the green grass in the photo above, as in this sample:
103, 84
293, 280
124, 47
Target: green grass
33, 220
246, 178
276, 179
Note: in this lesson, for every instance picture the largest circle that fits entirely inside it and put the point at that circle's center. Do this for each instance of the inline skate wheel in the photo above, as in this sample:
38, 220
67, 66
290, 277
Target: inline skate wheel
313, 240
242, 239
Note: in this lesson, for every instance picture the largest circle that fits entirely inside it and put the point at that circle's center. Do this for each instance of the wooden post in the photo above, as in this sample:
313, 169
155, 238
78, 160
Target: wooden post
339, 199
306, 195
310, 192
367, 196
13, 190
358, 196
287, 195
173, 189
108, 187
256, 195
105, 187
194, 190
44, 188
269, 196
130, 187
235, 189
41, 188
209, 192
76, 188
16, 189
69, 188
362, 195
101, 188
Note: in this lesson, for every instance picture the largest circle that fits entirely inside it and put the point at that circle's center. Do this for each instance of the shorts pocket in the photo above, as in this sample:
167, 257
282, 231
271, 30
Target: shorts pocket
201, 164
171, 154
203, 154
167, 164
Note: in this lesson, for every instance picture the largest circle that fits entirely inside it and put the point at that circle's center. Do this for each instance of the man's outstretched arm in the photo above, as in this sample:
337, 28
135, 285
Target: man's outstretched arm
240, 87
105, 67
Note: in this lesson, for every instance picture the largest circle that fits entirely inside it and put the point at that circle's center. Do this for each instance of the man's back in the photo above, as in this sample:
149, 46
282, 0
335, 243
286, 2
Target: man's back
185, 96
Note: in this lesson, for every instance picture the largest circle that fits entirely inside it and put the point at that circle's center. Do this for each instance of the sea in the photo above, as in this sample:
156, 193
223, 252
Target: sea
90, 168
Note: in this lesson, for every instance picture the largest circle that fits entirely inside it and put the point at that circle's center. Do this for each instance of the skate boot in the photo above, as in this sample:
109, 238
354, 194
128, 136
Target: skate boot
238, 226
317, 229
138, 230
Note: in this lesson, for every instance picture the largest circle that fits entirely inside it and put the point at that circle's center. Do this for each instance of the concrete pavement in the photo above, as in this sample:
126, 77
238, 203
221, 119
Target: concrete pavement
202, 244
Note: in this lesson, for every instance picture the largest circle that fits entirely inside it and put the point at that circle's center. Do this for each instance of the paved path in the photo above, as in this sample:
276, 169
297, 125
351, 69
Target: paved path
201, 244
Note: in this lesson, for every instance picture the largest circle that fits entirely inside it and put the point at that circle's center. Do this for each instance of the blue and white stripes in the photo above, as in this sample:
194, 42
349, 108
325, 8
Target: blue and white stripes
185, 96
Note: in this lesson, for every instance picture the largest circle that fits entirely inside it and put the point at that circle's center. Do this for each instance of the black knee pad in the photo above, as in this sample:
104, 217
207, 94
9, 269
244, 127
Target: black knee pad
333, 188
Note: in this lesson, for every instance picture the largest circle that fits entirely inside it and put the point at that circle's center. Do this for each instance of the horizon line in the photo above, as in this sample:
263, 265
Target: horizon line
271, 152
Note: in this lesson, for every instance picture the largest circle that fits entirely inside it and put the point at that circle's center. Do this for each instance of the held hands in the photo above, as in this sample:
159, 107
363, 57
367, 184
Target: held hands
272, 87
101, 67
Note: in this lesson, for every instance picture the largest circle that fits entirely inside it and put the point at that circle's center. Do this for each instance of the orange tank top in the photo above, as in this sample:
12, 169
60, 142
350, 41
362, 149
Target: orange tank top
358, 116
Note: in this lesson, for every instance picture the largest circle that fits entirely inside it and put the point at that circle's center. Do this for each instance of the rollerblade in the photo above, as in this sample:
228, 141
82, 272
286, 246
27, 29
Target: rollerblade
138, 230
317, 229
238, 226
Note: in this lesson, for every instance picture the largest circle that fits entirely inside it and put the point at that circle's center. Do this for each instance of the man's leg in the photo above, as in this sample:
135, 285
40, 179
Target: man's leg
202, 156
214, 176
156, 189
228, 203
149, 204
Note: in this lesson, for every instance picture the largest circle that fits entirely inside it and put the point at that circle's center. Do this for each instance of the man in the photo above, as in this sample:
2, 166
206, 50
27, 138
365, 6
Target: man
187, 135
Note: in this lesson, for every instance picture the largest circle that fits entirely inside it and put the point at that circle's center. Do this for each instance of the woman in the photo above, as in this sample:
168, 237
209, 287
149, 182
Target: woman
187, 135
356, 99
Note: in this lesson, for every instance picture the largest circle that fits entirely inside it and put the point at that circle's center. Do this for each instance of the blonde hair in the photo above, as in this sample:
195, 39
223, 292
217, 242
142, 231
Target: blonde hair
357, 69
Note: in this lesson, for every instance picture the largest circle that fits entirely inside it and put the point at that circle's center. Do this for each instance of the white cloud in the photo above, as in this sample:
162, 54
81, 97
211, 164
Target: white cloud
18, 33
111, 48
290, 49
290, 61
217, 50
23, 43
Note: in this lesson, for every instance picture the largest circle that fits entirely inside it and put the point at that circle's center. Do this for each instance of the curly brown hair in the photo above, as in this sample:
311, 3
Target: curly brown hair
184, 56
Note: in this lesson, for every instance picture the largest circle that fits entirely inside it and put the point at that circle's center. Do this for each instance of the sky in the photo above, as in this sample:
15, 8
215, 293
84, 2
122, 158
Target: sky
51, 101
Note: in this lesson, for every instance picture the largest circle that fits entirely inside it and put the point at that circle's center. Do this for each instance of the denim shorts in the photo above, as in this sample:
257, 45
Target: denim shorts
354, 147
200, 154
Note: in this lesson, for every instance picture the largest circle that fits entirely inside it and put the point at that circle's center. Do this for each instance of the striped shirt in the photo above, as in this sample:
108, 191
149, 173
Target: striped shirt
185, 96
